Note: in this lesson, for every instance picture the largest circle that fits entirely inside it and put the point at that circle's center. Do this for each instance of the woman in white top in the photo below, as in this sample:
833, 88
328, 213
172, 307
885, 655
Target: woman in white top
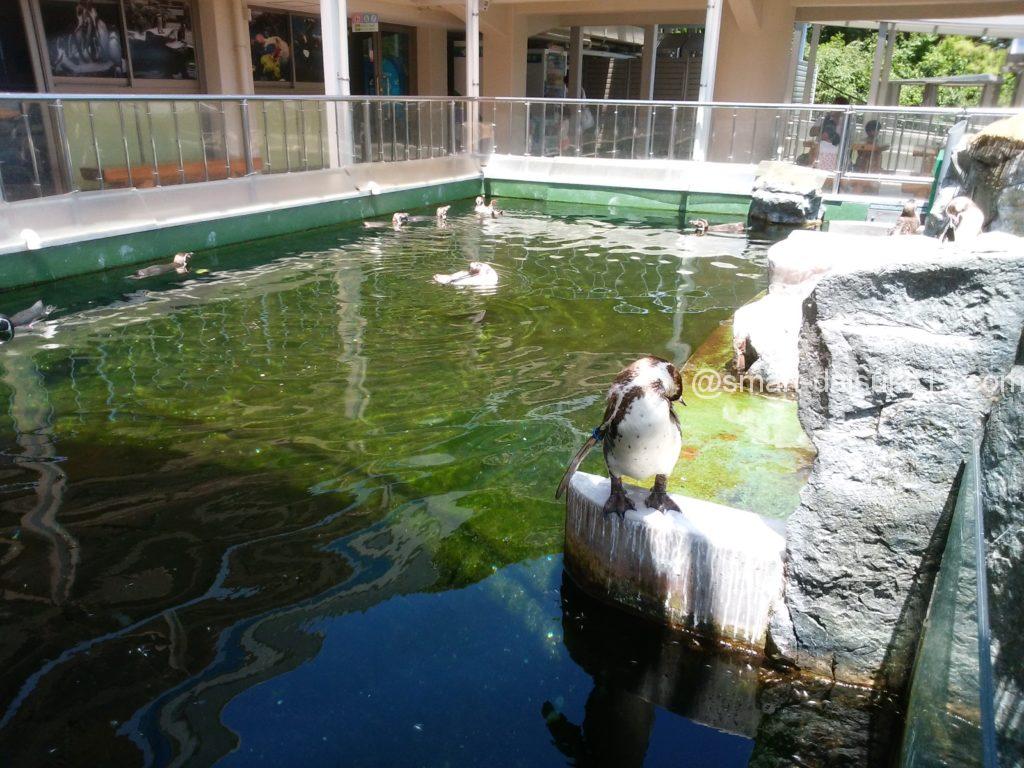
828, 151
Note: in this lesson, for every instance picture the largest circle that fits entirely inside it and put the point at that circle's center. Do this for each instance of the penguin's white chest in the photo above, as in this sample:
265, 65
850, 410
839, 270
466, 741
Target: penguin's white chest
647, 441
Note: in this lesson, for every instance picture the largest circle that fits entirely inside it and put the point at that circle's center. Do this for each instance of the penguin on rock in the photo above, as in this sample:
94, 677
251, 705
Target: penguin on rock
640, 431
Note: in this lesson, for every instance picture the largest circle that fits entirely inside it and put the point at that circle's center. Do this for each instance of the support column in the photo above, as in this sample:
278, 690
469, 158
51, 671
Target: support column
708, 72
795, 57
472, 90
649, 62
226, 58
810, 79
334, 28
575, 62
878, 63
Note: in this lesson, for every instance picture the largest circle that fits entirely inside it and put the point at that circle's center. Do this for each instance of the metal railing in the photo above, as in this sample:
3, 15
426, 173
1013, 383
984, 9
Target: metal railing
51, 144
896, 157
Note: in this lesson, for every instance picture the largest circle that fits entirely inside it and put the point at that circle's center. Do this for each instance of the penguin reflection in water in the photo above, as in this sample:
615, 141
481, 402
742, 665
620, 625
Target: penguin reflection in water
640, 432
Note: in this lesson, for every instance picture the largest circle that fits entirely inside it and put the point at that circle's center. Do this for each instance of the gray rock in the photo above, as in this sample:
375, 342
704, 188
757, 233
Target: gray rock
1002, 492
783, 207
896, 370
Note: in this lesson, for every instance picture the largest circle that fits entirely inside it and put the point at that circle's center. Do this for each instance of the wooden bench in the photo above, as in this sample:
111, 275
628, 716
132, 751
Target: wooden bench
145, 175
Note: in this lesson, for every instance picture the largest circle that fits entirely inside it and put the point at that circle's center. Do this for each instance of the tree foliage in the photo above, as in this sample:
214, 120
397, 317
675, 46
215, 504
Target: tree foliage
845, 58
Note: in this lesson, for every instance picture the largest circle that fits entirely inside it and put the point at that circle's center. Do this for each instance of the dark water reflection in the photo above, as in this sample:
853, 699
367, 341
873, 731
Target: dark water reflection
297, 509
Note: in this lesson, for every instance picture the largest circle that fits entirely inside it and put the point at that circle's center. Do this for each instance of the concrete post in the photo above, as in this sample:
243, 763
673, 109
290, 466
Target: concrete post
812, 65
883, 80
472, 71
334, 26
877, 64
649, 62
708, 68
575, 62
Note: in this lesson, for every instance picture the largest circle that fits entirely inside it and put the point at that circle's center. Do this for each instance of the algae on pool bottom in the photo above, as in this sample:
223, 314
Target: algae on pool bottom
313, 428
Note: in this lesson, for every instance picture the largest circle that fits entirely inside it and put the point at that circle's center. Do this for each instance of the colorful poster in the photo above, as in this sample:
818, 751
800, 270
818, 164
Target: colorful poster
161, 39
271, 51
83, 38
308, 44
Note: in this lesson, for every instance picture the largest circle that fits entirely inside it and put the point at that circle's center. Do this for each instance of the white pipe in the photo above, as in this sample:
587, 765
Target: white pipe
708, 68
334, 28
876, 65
472, 70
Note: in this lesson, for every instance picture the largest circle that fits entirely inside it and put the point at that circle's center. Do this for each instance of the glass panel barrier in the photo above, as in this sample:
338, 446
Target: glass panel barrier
949, 715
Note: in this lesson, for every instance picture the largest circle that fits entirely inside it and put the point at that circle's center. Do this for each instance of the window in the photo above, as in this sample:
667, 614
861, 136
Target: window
286, 48
86, 38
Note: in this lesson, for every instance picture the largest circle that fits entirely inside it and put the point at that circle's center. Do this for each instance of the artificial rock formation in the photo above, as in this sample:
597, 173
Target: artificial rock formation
897, 361
1002, 493
993, 174
786, 194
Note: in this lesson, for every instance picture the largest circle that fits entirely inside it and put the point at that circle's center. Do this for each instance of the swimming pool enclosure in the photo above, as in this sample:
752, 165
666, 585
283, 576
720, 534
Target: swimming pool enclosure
54, 144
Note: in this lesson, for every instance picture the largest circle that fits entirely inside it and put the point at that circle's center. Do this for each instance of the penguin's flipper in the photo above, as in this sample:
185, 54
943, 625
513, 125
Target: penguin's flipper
581, 454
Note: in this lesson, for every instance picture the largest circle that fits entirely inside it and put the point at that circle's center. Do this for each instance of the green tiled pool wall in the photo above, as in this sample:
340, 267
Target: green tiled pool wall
687, 203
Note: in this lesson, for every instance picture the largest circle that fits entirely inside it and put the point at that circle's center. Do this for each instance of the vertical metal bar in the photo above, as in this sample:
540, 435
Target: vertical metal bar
430, 123
177, 139
732, 137
3, 196
454, 139
36, 182
632, 138
95, 145
202, 142
844, 144
753, 137
367, 138
152, 143
250, 166
224, 133
124, 141
928, 136
302, 133
494, 127
543, 129
380, 129
529, 137
287, 140
321, 111
615, 131
394, 131
579, 130
672, 131
266, 138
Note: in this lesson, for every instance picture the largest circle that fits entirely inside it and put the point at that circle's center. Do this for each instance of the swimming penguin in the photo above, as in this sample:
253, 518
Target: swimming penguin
23, 319
486, 210
179, 265
702, 227
964, 220
908, 223
440, 215
640, 431
479, 275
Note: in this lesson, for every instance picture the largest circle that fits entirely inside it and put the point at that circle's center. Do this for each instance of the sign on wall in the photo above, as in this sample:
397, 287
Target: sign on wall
365, 22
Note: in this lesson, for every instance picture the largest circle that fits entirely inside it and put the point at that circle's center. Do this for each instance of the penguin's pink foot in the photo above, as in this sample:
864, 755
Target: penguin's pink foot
618, 502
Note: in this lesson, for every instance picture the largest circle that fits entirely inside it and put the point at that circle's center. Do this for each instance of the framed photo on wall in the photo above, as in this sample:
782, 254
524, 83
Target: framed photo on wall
84, 38
307, 45
161, 39
269, 35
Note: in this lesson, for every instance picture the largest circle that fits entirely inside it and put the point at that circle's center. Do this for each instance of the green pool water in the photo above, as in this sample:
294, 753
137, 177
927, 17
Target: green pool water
208, 480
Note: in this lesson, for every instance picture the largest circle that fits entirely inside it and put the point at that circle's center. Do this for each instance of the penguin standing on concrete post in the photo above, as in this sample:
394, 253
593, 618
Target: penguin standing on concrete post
641, 433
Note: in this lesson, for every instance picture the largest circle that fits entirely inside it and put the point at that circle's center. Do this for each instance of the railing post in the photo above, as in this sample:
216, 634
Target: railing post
579, 130
250, 166
177, 139
62, 136
96, 145
451, 132
672, 133
367, 136
844, 144
529, 136
36, 181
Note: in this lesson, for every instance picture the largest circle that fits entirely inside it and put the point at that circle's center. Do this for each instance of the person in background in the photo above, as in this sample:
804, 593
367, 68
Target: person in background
827, 158
869, 151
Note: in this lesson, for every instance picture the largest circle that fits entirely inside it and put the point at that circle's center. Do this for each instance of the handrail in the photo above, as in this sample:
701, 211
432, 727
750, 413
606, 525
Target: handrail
791, 106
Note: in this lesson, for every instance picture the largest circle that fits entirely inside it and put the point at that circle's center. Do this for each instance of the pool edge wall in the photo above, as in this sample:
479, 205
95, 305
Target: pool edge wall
80, 233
